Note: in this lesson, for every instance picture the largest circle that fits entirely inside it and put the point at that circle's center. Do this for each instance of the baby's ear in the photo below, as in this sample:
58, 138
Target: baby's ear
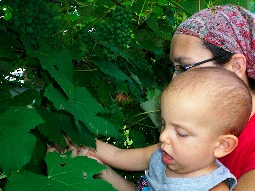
225, 145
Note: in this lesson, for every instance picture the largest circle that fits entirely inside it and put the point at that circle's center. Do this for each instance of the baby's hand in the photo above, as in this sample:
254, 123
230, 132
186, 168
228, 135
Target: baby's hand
89, 152
80, 151
76, 151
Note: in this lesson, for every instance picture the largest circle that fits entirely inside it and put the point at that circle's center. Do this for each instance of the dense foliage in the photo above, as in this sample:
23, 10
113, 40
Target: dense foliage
89, 69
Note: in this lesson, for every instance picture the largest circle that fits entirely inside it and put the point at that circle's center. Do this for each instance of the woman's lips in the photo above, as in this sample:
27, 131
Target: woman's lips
166, 158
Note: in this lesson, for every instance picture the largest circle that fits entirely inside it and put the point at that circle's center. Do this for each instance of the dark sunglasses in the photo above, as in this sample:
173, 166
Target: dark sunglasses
178, 69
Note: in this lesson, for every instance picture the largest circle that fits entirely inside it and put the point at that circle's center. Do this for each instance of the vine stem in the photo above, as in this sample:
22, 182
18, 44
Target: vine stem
144, 113
90, 70
141, 12
179, 6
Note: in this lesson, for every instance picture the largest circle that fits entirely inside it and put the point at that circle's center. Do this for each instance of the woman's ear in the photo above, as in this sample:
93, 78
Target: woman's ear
225, 145
237, 64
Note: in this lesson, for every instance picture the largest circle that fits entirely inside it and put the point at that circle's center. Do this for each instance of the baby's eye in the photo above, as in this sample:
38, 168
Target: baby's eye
181, 134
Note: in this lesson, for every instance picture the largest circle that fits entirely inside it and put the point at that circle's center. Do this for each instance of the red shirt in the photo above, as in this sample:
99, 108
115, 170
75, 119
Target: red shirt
242, 159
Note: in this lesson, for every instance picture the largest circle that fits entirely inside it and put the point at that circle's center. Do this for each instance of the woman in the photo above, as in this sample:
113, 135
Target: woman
221, 36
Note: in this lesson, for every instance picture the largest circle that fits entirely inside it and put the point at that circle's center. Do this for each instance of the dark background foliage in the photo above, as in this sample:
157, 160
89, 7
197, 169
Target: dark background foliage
89, 69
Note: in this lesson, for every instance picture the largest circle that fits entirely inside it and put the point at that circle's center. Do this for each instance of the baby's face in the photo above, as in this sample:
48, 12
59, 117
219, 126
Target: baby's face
188, 141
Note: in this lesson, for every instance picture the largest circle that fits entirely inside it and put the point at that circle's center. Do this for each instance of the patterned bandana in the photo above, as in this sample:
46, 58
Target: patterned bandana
229, 27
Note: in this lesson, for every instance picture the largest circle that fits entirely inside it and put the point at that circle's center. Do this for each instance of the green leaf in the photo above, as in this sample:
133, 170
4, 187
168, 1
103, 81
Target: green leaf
110, 69
84, 108
148, 41
7, 43
158, 11
140, 6
28, 97
106, 3
59, 64
64, 173
74, 16
152, 22
104, 90
37, 164
152, 107
170, 16
5, 97
138, 139
17, 143
57, 122
194, 6
54, 123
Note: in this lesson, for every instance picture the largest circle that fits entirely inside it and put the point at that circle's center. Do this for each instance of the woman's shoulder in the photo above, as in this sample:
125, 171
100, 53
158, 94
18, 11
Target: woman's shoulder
241, 160
248, 133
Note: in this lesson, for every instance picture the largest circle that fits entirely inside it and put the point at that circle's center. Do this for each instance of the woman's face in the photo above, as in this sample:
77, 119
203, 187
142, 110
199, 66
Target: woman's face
188, 50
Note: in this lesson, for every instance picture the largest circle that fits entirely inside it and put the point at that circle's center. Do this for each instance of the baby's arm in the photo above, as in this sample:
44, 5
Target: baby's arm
117, 181
124, 159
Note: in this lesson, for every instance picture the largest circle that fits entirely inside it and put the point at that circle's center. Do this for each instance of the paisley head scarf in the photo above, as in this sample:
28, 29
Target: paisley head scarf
229, 27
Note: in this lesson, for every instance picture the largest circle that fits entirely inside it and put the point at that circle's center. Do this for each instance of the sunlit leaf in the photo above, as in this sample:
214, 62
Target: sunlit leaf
64, 173
152, 107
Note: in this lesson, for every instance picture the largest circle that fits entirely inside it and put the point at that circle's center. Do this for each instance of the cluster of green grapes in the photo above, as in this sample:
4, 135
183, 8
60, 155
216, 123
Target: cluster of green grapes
115, 30
82, 40
33, 19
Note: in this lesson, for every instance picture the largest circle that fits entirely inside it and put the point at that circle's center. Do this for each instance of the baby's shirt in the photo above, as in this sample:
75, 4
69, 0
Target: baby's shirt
157, 180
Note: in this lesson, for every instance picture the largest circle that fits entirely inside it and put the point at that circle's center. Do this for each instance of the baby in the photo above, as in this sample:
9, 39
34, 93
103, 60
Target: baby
201, 119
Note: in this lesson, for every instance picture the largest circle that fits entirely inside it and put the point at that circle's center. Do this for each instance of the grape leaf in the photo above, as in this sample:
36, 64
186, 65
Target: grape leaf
110, 69
64, 173
60, 69
158, 11
84, 108
17, 143
243, 3
5, 97
28, 97
37, 163
141, 6
153, 24
104, 90
7, 43
152, 106
194, 6
56, 122
138, 139
148, 41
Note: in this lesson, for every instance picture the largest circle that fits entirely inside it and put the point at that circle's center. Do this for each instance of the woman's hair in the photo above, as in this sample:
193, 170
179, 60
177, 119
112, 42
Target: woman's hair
224, 57
228, 27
